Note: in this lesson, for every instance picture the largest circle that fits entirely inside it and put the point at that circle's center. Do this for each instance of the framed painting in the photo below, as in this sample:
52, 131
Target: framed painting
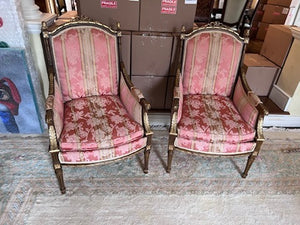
18, 108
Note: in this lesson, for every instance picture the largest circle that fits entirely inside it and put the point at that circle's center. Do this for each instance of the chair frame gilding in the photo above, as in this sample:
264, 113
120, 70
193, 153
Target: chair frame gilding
54, 148
262, 111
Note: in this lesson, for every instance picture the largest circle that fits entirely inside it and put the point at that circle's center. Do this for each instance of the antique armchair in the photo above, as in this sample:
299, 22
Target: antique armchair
214, 112
94, 113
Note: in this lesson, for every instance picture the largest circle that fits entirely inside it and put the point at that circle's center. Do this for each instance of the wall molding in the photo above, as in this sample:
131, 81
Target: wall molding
280, 97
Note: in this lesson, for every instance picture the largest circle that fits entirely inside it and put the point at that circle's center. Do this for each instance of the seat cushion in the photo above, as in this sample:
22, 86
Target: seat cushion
214, 148
102, 155
97, 122
213, 119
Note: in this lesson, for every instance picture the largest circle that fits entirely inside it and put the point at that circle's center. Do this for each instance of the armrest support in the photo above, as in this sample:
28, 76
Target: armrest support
54, 109
177, 103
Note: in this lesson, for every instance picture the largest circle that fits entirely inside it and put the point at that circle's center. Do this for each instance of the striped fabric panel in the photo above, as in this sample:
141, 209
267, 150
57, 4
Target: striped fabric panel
216, 148
86, 62
211, 62
130, 102
102, 155
245, 104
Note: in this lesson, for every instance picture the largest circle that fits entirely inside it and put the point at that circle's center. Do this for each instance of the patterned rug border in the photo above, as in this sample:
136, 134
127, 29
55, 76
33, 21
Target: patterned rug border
23, 197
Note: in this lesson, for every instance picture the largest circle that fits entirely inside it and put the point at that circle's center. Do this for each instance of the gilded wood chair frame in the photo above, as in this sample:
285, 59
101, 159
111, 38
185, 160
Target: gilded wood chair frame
54, 148
262, 111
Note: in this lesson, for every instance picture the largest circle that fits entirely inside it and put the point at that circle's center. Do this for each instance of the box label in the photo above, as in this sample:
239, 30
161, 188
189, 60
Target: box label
169, 3
168, 10
190, 2
109, 4
168, 6
285, 11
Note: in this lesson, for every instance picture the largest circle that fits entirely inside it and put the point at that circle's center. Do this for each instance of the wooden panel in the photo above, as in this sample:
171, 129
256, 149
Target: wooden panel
151, 54
153, 88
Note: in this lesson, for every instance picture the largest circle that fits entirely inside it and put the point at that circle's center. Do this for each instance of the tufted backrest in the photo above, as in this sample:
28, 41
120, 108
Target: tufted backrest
86, 62
210, 62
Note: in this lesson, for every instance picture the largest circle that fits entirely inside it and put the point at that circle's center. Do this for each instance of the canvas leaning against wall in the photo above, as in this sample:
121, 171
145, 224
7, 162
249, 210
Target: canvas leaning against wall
18, 111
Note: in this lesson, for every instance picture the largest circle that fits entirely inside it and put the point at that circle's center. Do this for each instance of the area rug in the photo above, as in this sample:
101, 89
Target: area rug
199, 190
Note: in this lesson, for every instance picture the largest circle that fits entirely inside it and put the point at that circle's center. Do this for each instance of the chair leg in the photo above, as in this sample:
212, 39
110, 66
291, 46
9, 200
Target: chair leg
58, 172
251, 159
146, 159
170, 152
147, 151
170, 157
60, 178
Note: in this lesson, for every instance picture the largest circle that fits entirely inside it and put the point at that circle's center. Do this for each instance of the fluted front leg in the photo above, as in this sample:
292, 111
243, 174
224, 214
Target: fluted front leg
251, 159
170, 151
146, 159
58, 172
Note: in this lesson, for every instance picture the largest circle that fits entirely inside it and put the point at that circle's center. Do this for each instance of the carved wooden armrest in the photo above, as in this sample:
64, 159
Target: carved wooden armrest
54, 109
176, 104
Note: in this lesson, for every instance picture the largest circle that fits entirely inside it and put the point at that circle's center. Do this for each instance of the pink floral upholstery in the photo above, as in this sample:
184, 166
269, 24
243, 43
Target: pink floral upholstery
210, 63
131, 102
211, 123
246, 104
96, 123
86, 62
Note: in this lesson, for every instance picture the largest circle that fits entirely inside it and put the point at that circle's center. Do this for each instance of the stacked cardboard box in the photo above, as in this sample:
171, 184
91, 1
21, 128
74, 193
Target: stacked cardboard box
274, 12
257, 18
262, 70
260, 73
277, 43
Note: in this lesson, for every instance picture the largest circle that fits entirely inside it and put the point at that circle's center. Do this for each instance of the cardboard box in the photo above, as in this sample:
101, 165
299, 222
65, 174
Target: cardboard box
254, 46
125, 49
275, 14
175, 55
167, 15
258, 15
153, 88
285, 3
253, 32
169, 94
277, 43
260, 73
262, 31
110, 12
151, 53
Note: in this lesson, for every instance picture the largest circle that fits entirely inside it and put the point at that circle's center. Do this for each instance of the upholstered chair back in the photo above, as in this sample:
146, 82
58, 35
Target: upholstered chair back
86, 62
210, 62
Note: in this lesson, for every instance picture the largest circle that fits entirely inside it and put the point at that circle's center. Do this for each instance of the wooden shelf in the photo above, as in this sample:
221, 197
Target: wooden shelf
272, 107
